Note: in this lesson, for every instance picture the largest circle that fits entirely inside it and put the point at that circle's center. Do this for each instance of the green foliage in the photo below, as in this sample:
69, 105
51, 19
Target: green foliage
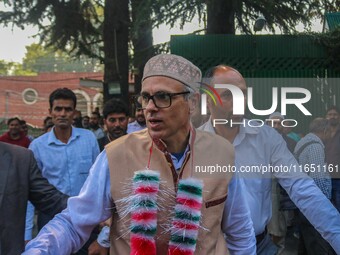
45, 59
18, 70
3, 67
12, 68
97, 29
172, 11
73, 26
331, 41
284, 14
3, 126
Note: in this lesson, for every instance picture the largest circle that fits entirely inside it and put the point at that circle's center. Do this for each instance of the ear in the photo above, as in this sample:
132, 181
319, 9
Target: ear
193, 103
50, 111
210, 103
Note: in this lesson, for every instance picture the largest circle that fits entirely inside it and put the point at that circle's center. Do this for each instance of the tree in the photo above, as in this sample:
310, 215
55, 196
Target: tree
45, 59
13, 68
225, 16
78, 27
115, 37
3, 68
331, 42
142, 40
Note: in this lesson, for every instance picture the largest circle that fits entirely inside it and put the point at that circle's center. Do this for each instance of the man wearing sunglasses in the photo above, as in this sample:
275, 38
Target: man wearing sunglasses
171, 147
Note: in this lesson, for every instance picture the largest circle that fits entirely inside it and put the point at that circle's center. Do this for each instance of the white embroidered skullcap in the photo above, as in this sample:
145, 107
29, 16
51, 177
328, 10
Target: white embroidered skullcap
175, 67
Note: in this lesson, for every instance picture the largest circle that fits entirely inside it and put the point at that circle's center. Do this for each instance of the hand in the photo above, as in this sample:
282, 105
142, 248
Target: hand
106, 223
96, 249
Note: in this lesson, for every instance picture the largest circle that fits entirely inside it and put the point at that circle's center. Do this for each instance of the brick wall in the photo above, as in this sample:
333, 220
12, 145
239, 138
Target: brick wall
35, 109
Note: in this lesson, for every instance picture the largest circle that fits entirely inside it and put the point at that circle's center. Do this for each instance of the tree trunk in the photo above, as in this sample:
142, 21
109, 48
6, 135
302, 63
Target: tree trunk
116, 59
142, 40
220, 17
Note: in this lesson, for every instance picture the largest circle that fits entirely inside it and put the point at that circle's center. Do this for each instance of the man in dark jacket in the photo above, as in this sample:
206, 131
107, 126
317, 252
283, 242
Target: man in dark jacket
20, 181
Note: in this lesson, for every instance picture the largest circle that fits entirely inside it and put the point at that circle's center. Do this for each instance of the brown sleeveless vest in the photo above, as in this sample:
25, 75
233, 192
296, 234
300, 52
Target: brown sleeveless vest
131, 153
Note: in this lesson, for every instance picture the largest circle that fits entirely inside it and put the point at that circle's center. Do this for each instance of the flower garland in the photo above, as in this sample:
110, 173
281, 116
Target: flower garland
144, 214
186, 222
143, 207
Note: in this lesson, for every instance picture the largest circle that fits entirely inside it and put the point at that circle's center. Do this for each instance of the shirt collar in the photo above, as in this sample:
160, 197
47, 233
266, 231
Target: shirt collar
315, 137
244, 129
208, 127
52, 139
249, 129
135, 123
178, 163
162, 147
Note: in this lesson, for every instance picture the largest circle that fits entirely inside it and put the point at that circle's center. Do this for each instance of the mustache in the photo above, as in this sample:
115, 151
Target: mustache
113, 132
118, 129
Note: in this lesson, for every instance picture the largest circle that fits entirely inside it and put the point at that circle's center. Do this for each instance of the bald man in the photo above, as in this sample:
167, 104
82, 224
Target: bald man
263, 146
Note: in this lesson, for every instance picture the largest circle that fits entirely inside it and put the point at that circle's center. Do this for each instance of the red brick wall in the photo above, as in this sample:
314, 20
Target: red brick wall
12, 87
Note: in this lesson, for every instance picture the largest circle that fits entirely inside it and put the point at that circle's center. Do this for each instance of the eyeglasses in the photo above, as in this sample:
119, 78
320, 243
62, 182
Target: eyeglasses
160, 99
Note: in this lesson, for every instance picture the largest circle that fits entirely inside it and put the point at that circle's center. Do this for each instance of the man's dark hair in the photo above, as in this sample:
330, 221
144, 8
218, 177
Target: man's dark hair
115, 105
47, 119
22, 122
96, 113
63, 93
48, 126
12, 119
333, 107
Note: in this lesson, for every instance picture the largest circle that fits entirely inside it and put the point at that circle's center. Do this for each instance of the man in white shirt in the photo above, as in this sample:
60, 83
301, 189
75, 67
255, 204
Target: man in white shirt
139, 123
263, 146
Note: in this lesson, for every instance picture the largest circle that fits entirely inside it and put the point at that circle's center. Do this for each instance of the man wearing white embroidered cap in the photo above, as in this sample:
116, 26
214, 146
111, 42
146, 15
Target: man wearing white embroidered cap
172, 149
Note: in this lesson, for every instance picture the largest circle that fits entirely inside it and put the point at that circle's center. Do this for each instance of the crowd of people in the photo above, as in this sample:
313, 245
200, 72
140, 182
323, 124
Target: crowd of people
108, 184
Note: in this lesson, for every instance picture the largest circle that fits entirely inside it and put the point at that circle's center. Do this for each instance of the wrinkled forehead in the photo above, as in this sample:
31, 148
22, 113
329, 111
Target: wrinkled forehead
228, 77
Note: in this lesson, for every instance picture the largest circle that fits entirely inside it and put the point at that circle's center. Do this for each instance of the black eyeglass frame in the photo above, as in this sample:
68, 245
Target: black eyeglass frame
171, 95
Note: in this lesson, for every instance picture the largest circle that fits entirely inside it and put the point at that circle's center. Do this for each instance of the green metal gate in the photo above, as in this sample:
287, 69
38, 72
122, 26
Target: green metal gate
269, 56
